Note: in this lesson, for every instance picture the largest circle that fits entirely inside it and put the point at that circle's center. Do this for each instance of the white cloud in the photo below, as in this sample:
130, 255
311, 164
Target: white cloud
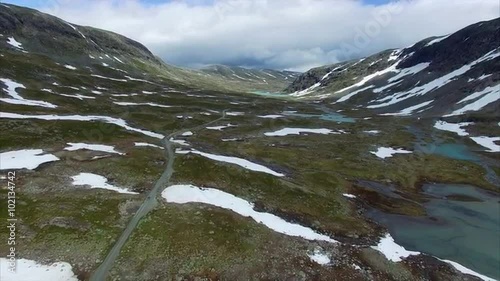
291, 34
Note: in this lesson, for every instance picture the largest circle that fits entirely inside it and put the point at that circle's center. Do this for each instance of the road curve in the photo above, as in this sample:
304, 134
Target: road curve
101, 273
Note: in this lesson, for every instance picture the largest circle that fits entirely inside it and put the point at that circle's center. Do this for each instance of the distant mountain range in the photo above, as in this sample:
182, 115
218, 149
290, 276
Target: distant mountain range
275, 79
448, 75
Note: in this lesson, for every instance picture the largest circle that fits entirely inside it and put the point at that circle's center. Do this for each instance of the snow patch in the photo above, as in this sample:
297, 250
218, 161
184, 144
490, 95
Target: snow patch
297, 131
181, 142
123, 95
367, 78
117, 121
118, 59
454, 128
235, 113
432, 85
408, 71
392, 251
13, 42
17, 99
97, 181
108, 78
350, 95
234, 160
77, 96
70, 67
183, 194
145, 144
383, 88
482, 77
439, 39
95, 147
386, 152
409, 110
319, 257
487, 96
488, 142
30, 270
141, 103
271, 116
220, 128
24, 159
72, 26
396, 253
394, 55
466, 270
316, 85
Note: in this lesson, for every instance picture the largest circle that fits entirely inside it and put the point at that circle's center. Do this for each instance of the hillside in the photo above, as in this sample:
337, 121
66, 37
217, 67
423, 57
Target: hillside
267, 79
104, 52
449, 75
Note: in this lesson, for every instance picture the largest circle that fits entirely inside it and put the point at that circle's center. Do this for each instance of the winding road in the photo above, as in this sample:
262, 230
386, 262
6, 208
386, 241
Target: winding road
147, 205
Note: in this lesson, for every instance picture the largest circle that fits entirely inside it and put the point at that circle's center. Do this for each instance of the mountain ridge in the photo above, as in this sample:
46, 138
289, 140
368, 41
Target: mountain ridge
66, 43
387, 81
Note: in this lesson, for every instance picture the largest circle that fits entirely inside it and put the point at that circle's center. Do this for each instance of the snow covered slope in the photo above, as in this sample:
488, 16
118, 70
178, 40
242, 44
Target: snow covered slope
450, 75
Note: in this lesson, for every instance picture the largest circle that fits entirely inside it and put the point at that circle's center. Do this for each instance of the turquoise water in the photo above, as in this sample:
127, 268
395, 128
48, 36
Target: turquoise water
439, 147
458, 151
453, 151
464, 231
335, 117
327, 115
269, 94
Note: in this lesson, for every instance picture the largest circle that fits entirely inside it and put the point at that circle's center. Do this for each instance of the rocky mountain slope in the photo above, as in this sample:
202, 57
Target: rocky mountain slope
449, 75
28, 30
271, 79
41, 33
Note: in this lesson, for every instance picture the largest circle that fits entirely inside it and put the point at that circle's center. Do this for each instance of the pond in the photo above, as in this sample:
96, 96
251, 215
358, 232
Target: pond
455, 150
462, 225
331, 116
449, 150
271, 94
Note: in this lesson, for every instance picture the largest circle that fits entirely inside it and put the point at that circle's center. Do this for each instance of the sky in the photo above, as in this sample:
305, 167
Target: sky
278, 34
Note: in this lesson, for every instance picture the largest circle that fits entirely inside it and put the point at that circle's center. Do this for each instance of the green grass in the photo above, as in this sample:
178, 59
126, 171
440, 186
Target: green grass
95, 218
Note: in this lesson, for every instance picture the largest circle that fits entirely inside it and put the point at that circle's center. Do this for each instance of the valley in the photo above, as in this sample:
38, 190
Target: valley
131, 169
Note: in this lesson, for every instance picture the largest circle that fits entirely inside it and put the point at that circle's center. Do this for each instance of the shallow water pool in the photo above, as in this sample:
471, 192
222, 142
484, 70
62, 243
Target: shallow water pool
463, 225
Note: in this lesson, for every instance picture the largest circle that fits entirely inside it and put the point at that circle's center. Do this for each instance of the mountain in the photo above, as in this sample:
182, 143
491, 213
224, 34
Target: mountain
118, 166
448, 75
37, 33
268, 79
45, 34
